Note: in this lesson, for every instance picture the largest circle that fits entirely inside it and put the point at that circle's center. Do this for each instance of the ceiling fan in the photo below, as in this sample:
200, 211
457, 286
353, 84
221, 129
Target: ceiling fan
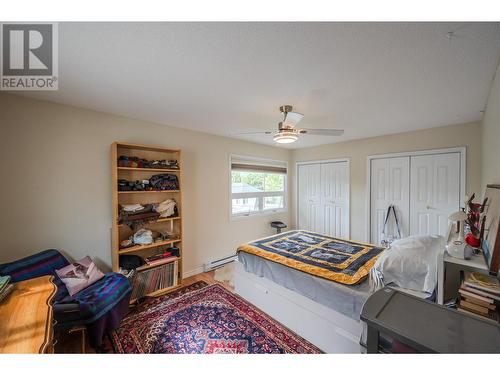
287, 130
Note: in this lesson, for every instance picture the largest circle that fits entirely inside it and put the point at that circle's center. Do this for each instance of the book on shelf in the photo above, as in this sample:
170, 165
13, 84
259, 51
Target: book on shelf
477, 302
150, 280
162, 261
491, 317
479, 295
476, 308
156, 262
479, 299
157, 257
484, 283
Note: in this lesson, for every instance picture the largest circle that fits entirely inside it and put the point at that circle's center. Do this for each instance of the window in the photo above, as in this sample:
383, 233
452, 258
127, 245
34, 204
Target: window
257, 186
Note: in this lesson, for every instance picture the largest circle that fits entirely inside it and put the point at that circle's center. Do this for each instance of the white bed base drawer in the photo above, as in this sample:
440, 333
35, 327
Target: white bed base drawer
329, 330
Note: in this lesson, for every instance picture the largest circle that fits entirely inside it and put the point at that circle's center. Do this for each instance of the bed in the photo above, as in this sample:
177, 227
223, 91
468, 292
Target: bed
305, 298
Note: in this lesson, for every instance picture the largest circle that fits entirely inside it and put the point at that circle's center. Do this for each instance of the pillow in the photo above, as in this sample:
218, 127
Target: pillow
79, 275
410, 263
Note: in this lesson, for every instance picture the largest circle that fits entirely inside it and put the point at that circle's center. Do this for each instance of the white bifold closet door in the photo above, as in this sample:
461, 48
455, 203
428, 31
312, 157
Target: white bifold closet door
435, 192
390, 184
309, 197
323, 194
424, 189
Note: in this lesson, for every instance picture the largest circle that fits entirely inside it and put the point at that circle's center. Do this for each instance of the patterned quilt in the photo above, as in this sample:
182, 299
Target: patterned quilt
343, 261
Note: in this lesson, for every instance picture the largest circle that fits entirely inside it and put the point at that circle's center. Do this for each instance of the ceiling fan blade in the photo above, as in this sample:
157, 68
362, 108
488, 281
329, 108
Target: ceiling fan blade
331, 132
253, 133
293, 118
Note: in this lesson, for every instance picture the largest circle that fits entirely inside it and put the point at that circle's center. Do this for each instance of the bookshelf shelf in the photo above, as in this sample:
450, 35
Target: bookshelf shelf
169, 273
136, 248
156, 293
159, 292
449, 269
149, 266
147, 169
148, 191
160, 220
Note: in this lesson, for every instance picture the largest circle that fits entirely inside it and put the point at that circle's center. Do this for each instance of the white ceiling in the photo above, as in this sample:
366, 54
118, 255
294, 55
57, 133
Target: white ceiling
367, 78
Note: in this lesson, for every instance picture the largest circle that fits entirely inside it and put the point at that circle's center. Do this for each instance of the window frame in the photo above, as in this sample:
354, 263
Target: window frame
259, 195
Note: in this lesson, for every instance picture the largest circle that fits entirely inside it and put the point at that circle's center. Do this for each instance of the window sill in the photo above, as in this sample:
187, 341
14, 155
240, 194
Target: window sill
239, 217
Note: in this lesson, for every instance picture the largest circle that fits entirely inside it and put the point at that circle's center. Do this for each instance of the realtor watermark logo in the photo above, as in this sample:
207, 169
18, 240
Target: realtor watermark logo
29, 60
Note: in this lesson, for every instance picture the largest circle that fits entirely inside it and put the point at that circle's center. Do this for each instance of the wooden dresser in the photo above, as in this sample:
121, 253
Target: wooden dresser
26, 317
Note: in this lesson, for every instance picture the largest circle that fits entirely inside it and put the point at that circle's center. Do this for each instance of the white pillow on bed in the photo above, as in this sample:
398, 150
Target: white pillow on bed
410, 263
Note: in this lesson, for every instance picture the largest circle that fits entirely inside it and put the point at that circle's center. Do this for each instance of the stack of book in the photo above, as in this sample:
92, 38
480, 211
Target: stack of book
480, 295
154, 279
5, 287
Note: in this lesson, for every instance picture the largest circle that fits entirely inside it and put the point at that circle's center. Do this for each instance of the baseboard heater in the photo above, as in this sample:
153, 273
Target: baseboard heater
218, 263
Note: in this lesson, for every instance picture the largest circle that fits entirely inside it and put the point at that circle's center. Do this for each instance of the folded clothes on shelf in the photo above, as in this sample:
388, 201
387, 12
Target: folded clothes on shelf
126, 243
128, 208
163, 181
134, 219
143, 237
166, 164
166, 208
164, 235
135, 162
137, 215
138, 185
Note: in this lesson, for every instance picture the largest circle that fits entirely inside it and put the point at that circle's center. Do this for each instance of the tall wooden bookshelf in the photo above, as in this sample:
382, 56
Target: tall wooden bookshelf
121, 232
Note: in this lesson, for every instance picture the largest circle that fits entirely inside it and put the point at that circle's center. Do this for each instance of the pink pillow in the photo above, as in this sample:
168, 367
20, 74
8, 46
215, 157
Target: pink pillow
79, 275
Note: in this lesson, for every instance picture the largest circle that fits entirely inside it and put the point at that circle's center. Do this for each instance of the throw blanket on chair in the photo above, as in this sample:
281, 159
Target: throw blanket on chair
40, 264
97, 299
94, 301
343, 261
100, 307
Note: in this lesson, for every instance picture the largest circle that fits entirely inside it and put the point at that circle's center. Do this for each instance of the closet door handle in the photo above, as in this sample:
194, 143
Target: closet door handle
429, 207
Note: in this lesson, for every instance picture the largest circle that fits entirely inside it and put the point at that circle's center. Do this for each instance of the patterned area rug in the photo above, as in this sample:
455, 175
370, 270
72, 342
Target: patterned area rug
203, 318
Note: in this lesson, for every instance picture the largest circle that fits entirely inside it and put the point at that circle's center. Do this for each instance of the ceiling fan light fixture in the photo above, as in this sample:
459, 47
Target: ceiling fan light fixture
287, 130
285, 137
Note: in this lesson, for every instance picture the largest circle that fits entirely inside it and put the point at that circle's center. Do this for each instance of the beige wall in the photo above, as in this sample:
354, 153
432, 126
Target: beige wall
56, 188
56, 191
448, 136
490, 161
